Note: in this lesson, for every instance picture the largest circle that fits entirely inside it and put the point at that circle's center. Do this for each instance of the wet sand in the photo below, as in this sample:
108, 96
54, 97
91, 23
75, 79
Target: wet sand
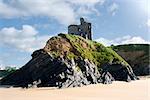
135, 90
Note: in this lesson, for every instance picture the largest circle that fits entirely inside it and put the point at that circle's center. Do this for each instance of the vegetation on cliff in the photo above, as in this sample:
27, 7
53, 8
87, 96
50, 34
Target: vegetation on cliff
73, 46
71, 61
8, 70
137, 55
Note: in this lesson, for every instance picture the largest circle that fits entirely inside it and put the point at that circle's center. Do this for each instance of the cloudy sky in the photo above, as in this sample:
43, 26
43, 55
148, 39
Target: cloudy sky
26, 25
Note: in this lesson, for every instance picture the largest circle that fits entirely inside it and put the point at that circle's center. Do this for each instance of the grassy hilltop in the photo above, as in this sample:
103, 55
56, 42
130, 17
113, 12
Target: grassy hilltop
74, 46
137, 55
71, 61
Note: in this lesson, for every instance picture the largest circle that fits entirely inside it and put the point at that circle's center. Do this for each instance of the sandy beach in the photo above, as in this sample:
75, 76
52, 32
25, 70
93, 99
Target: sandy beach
135, 90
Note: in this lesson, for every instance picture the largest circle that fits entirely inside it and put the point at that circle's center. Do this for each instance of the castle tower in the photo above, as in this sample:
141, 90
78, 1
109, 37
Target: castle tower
84, 29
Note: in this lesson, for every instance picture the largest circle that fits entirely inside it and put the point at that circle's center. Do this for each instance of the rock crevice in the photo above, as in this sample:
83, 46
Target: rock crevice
52, 66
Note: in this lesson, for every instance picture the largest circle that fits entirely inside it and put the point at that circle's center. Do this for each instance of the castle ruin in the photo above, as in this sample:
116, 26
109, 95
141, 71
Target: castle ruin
84, 29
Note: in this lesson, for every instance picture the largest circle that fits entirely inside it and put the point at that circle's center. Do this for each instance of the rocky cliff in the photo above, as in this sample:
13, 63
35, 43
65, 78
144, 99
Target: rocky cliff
137, 55
71, 61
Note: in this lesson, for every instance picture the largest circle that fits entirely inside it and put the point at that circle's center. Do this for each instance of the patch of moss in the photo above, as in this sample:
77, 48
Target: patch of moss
71, 55
55, 54
93, 51
78, 68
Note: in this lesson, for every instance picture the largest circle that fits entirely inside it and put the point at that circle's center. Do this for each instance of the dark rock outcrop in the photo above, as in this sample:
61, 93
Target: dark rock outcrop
44, 70
137, 55
107, 78
53, 72
70, 66
120, 72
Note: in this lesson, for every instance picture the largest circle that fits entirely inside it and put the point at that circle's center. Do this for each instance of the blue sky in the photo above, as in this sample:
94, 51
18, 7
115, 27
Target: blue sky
26, 25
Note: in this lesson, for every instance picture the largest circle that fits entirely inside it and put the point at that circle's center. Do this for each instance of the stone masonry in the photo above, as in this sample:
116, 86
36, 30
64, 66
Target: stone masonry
84, 29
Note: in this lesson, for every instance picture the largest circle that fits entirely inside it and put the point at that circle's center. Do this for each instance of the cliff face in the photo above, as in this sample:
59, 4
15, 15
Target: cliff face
71, 61
137, 55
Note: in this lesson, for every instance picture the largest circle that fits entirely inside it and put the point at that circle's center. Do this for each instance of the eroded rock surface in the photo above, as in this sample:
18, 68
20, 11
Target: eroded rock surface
70, 61
46, 70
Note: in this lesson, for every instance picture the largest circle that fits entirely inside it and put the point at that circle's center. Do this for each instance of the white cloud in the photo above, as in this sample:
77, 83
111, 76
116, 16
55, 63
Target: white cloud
86, 2
123, 40
113, 9
1, 64
135, 40
148, 23
86, 7
25, 39
104, 41
64, 11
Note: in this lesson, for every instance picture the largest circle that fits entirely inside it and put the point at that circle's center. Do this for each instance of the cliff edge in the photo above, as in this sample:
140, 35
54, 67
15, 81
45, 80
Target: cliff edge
71, 61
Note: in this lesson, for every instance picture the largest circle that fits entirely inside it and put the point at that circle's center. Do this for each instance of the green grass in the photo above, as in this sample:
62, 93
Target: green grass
7, 71
132, 47
95, 52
